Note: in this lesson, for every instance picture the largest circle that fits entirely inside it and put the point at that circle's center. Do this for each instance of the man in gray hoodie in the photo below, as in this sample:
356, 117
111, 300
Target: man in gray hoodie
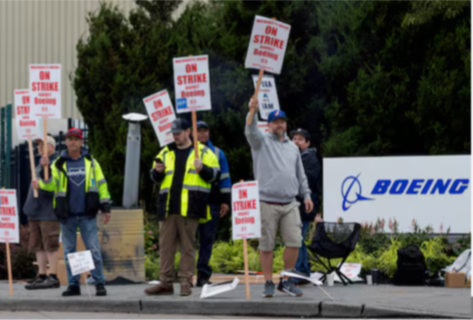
278, 168
43, 227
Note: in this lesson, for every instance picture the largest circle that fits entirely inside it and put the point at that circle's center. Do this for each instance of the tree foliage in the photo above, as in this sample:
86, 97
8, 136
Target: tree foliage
365, 78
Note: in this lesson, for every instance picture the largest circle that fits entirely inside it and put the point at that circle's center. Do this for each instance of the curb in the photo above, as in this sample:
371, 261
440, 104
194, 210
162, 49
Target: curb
326, 309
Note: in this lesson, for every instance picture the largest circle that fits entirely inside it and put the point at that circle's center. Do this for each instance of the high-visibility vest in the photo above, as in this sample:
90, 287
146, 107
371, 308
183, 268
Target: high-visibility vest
96, 189
195, 191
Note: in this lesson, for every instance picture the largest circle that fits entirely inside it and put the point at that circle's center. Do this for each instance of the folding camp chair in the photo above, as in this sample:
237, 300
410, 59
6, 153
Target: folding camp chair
333, 241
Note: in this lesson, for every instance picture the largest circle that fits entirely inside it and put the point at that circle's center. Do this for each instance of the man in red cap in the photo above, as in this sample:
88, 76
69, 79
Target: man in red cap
80, 191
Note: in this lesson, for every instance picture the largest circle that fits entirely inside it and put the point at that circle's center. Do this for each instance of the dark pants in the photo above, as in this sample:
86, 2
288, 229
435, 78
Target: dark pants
207, 233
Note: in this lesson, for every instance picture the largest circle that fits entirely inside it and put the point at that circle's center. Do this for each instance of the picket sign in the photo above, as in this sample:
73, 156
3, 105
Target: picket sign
266, 50
192, 86
45, 95
161, 114
80, 262
9, 226
263, 126
268, 96
27, 125
246, 219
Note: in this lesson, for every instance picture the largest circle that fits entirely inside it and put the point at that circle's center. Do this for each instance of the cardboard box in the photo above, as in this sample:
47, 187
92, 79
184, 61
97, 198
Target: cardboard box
455, 279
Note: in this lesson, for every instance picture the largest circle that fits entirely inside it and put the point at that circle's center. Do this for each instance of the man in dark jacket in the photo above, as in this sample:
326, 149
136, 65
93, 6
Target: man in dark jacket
312, 170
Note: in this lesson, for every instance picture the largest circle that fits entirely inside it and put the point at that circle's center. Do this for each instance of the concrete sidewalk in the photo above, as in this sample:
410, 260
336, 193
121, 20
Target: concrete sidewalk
353, 301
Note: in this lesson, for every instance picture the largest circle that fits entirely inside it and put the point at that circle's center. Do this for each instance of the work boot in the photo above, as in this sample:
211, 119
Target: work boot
186, 289
201, 282
48, 283
100, 290
160, 289
71, 291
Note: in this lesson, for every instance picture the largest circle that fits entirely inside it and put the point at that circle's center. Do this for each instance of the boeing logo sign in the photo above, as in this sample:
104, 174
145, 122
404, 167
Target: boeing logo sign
352, 190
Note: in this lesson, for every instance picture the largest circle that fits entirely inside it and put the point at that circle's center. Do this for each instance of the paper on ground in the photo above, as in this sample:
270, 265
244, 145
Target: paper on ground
351, 270
299, 276
218, 288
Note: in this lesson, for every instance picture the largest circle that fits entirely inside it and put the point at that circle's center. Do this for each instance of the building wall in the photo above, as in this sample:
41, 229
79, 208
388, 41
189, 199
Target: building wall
46, 31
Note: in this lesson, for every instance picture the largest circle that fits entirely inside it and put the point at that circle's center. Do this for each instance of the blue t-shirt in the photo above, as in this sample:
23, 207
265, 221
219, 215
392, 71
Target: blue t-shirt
76, 185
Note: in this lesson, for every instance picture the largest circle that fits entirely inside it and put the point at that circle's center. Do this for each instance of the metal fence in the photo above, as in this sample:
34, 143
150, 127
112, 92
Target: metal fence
15, 162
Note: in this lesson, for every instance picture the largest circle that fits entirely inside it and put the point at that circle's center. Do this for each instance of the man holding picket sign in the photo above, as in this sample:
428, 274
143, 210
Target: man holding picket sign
80, 191
183, 203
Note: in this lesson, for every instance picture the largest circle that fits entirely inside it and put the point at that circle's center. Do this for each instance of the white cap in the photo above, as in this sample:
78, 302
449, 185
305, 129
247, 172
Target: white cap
50, 141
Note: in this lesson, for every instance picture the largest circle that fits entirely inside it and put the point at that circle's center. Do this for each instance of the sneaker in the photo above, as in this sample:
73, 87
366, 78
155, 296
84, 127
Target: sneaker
100, 290
48, 283
160, 289
268, 289
289, 287
40, 278
71, 291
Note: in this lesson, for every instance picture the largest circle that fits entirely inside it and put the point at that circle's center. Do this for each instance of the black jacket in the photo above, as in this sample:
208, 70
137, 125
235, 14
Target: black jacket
312, 170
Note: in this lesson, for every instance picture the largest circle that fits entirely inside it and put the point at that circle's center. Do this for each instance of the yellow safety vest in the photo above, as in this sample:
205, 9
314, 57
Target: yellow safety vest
195, 191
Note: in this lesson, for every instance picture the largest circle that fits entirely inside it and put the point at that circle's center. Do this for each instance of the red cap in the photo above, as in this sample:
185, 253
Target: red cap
74, 132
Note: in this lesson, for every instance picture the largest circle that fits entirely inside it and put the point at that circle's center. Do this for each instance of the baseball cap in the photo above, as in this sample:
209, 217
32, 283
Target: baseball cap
276, 114
179, 125
202, 124
302, 132
74, 132
49, 140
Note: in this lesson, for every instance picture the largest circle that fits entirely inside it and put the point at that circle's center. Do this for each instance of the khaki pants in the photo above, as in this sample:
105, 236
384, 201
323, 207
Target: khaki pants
173, 230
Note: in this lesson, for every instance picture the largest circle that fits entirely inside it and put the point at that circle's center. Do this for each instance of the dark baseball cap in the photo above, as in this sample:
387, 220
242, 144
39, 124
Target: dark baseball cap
179, 125
276, 114
202, 124
302, 132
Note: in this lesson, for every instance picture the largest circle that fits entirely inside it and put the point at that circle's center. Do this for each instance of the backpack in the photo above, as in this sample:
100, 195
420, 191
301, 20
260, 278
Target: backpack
411, 267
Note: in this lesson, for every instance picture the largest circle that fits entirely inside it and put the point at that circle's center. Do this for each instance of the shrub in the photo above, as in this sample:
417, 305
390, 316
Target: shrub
151, 267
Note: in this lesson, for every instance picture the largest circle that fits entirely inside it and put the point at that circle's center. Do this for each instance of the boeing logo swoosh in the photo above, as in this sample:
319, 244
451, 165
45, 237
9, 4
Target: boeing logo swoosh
351, 192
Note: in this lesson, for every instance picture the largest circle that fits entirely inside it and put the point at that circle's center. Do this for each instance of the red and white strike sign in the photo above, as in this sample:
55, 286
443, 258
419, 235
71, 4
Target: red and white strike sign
27, 125
9, 217
263, 126
192, 83
268, 44
246, 219
45, 90
162, 115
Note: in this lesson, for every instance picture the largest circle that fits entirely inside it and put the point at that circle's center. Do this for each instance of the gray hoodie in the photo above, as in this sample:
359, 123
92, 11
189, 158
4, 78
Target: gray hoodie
277, 166
40, 208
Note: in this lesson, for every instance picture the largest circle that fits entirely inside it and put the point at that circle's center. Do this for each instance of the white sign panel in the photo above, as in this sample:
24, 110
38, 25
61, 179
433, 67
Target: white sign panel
9, 217
432, 190
263, 126
192, 84
80, 262
268, 44
162, 115
267, 96
246, 219
27, 125
45, 90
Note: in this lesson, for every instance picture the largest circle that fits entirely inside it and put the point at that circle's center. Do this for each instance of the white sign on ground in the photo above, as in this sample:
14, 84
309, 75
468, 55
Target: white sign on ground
45, 90
267, 96
210, 290
27, 125
351, 270
9, 217
80, 262
263, 126
268, 44
246, 219
426, 190
192, 84
162, 115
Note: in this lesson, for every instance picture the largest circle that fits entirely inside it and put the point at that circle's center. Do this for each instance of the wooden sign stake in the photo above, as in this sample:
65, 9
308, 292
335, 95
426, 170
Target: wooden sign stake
45, 147
247, 277
32, 168
194, 132
10, 278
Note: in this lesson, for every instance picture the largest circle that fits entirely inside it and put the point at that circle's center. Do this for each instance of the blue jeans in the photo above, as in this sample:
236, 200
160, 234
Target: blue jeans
302, 264
207, 232
88, 230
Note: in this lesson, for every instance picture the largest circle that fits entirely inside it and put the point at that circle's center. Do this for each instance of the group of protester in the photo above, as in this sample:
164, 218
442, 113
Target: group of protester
194, 194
